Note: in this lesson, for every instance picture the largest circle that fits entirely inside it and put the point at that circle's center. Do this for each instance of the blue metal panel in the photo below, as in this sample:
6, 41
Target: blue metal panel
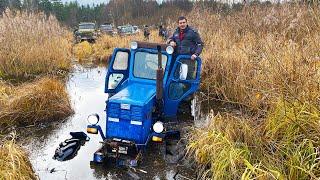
134, 94
171, 105
129, 113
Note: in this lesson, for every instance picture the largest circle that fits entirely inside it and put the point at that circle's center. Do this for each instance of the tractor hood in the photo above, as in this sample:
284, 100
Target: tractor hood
135, 94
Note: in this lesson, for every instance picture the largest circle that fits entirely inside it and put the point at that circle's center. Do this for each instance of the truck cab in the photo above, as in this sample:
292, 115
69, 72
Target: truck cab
146, 84
86, 31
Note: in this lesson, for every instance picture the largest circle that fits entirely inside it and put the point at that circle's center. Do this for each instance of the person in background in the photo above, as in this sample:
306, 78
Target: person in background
163, 32
146, 32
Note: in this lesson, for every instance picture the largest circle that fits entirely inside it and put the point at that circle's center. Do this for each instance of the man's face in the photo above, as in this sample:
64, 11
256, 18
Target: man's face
182, 24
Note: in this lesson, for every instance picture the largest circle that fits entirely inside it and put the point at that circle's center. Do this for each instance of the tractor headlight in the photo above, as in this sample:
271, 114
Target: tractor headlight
134, 45
169, 49
158, 127
93, 119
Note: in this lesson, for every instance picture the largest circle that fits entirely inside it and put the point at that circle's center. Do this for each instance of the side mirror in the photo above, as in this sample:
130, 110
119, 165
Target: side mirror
183, 72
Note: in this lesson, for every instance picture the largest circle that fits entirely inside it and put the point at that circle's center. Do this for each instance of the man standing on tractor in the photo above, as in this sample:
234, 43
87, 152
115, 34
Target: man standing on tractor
186, 40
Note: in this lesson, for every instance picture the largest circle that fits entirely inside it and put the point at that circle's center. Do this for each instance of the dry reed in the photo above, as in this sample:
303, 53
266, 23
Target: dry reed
14, 162
266, 59
104, 46
254, 56
283, 146
32, 44
35, 102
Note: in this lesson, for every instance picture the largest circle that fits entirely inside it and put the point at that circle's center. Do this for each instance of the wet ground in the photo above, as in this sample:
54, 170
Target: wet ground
86, 89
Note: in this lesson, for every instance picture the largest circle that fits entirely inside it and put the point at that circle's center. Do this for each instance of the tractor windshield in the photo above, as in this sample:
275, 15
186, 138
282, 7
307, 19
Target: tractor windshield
146, 65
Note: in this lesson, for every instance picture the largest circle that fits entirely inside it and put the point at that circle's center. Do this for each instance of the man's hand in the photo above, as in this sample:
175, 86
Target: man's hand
193, 57
173, 44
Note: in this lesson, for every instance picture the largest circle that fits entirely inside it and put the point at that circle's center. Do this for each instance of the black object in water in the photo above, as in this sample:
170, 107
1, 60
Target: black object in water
69, 148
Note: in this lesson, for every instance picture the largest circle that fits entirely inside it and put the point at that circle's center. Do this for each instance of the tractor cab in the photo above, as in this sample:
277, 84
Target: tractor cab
146, 84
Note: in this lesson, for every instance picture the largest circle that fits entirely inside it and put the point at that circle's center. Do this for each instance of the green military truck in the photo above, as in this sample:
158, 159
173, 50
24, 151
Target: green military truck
86, 31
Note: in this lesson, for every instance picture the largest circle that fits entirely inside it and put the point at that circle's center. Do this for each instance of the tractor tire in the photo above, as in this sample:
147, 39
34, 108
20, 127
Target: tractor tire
174, 151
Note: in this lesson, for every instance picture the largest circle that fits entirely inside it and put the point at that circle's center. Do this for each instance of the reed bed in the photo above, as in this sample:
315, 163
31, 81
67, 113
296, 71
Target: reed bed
14, 162
284, 146
104, 46
256, 55
266, 59
35, 102
83, 51
31, 45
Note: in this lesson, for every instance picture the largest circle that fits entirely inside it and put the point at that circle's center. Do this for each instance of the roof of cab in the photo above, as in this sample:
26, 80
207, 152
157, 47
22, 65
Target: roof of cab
152, 45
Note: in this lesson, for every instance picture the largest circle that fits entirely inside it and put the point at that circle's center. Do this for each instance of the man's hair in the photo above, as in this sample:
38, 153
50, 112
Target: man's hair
182, 18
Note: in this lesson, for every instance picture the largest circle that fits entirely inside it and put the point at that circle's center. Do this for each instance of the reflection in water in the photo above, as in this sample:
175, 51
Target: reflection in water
86, 90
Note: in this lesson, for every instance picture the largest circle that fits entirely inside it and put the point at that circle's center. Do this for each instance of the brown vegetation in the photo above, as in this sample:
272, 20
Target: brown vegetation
14, 163
32, 44
254, 56
42, 100
104, 46
265, 59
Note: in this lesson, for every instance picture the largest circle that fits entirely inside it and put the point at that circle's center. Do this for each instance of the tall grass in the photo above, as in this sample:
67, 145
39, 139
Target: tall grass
104, 46
35, 102
284, 146
14, 163
32, 44
254, 56
268, 60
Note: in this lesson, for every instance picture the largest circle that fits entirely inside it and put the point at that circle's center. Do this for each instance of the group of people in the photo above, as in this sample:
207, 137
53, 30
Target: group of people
185, 39
163, 32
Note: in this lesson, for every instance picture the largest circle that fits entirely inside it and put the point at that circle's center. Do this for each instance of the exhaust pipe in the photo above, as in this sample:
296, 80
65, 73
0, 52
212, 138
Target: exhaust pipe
159, 90
159, 94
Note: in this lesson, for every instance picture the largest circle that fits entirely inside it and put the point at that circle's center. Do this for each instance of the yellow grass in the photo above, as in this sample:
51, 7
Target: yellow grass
285, 145
14, 163
104, 46
83, 51
42, 100
265, 59
32, 44
254, 56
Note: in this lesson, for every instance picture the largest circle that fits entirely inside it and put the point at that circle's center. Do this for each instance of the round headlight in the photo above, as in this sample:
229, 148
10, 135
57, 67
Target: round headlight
134, 45
93, 119
158, 127
169, 49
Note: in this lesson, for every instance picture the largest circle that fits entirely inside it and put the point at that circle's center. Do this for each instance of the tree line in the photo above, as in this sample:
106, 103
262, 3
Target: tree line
120, 12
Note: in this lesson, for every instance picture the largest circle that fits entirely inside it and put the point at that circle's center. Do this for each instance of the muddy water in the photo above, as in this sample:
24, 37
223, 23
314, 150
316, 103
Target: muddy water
85, 87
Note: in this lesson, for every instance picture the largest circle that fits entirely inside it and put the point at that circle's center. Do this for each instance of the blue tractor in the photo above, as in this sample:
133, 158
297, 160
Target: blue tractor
146, 85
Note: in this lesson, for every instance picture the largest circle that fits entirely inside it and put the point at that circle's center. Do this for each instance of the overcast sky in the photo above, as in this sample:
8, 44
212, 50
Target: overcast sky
90, 2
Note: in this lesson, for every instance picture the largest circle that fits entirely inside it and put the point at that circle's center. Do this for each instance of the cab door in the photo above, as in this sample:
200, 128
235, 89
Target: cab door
118, 71
184, 80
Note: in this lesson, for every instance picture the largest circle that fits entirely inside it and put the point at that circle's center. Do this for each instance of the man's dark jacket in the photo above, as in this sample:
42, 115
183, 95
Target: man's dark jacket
191, 42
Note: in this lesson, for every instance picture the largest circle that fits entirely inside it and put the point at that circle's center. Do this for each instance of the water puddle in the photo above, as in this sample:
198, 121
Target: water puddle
86, 90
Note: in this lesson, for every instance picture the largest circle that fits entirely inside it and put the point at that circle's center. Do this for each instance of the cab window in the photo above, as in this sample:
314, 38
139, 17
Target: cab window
146, 65
192, 69
121, 61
